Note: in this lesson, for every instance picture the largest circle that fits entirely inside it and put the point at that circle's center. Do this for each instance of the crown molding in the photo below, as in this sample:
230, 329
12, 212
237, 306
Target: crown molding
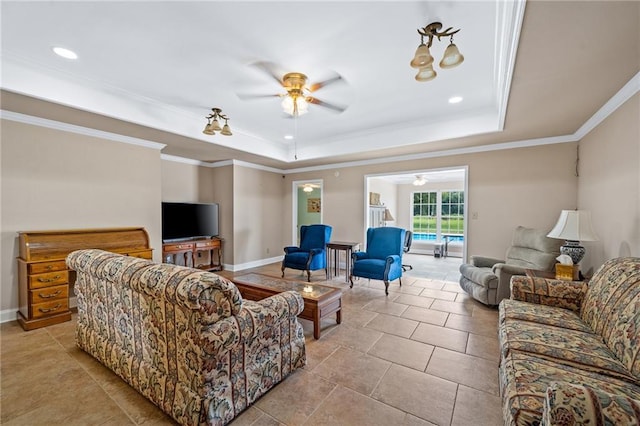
628, 90
624, 94
72, 128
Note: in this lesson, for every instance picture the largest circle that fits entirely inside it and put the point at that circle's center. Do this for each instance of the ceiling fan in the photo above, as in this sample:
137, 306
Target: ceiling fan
298, 96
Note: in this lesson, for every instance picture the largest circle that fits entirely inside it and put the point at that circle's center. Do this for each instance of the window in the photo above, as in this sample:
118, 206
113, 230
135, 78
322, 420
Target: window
437, 213
452, 213
425, 212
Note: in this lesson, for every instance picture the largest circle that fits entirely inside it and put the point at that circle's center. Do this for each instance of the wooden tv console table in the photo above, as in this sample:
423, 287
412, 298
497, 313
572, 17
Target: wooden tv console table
190, 253
43, 277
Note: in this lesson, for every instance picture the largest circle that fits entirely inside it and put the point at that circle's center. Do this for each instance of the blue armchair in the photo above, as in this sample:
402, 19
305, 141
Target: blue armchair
383, 258
312, 253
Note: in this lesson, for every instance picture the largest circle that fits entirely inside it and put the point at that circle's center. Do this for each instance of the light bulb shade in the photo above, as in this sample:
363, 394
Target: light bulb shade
426, 74
419, 181
208, 129
226, 130
574, 225
215, 125
387, 215
452, 57
422, 58
301, 104
307, 188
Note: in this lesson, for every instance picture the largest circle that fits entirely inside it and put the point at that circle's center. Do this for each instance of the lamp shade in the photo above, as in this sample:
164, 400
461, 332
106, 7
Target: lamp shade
426, 74
387, 215
574, 225
422, 58
452, 57
301, 107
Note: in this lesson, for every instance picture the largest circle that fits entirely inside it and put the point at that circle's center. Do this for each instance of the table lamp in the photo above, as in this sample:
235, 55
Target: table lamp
573, 226
387, 216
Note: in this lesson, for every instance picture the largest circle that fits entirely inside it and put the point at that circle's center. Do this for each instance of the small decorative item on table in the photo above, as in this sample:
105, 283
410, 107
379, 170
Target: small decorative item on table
567, 272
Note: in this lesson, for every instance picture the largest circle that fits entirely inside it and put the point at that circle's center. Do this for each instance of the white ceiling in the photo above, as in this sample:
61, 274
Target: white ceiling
164, 65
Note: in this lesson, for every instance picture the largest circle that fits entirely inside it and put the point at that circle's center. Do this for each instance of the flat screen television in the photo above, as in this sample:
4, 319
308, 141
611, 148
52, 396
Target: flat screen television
182, 221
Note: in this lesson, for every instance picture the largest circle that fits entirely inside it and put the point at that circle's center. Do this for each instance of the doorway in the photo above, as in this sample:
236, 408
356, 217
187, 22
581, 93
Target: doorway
432, 203
307, 205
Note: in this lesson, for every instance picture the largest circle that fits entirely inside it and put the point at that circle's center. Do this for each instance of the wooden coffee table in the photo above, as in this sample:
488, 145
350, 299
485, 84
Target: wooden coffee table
319, 301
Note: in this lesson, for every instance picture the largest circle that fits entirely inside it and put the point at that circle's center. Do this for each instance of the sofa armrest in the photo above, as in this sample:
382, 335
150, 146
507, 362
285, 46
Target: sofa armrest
253, 320
484, 262
544, 291
585, 405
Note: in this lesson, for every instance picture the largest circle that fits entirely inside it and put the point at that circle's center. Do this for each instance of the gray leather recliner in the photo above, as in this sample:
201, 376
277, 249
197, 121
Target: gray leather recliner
487, 280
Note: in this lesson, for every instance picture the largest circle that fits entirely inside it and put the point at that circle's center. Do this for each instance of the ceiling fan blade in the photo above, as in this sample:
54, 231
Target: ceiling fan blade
270, 69
247, 96
319, 85
334, 107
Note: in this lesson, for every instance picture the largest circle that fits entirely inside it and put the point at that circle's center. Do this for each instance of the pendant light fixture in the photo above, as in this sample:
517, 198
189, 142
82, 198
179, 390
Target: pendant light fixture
213, 125
423, 61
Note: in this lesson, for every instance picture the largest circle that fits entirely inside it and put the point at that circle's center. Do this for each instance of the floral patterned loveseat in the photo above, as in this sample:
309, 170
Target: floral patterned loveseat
184, 338
570, 351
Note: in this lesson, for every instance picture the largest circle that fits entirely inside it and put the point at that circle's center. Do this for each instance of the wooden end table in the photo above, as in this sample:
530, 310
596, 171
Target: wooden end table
319, 301
334, 247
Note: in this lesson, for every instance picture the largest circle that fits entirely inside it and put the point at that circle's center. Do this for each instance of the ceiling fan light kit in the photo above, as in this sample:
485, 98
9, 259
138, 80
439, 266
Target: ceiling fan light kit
423, 61
213, 125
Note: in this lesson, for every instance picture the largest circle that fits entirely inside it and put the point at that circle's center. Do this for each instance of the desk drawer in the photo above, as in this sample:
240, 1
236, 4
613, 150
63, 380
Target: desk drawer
48, 280
39, 310
177, 247
44, 267
47, 294
207, 244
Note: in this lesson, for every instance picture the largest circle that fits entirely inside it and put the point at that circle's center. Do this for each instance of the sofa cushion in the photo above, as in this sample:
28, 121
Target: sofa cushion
541, 314
611, 308
580, 349
567, 404
525, 378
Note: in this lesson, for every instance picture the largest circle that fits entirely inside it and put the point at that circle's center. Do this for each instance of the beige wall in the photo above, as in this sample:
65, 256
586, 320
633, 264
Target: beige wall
258, 206
609, 185
190, 183
53, 179
524, 186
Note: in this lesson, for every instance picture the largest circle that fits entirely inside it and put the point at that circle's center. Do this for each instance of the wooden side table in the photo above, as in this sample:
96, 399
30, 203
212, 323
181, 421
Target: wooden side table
334, 247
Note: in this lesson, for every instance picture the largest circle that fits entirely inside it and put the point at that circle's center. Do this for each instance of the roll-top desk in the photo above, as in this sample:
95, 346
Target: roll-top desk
43, 276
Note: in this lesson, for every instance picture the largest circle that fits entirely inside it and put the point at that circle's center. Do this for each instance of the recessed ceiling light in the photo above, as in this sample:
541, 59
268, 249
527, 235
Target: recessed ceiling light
288, 137
65, 53
455, 99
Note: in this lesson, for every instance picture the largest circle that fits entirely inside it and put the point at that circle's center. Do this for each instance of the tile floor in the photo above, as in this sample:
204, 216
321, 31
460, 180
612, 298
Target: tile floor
425, 355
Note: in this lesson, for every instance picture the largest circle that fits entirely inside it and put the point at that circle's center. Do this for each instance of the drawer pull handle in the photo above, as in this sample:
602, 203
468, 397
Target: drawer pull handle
46, 311
49, 296
48, 280
49, 267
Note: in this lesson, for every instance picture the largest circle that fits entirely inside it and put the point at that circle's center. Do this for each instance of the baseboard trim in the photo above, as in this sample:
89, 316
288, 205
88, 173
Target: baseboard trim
253, 264
9, 315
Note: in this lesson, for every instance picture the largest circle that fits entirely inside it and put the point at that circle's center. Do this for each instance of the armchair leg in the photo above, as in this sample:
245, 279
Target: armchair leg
400, 279
282, 269
386, 288
308, 275
351, 281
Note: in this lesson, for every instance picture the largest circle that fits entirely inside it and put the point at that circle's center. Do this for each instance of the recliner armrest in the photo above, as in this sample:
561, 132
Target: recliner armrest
393, 258
484, 262
543, 291
315, 251
291, 249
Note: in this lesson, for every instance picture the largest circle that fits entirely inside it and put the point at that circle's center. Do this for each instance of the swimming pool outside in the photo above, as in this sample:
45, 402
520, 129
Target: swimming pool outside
423, 236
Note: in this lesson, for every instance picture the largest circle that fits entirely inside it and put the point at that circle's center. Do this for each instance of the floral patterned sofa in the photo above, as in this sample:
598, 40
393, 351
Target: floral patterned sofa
570, 351
184, 338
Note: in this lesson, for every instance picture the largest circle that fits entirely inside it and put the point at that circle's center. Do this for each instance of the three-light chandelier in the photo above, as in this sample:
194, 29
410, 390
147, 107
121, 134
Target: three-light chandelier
423, 60
213, 123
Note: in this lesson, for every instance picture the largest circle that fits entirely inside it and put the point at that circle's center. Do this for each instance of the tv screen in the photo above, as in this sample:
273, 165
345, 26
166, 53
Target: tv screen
182, 221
